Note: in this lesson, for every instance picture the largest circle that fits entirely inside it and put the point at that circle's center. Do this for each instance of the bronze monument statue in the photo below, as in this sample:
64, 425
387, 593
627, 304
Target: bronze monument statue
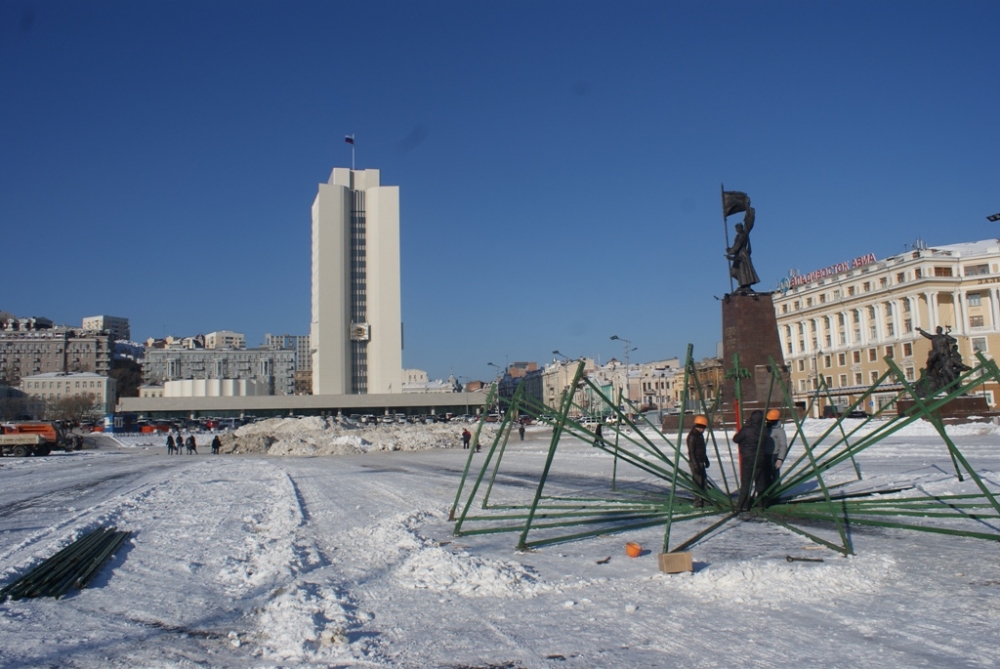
944, 362
740, 266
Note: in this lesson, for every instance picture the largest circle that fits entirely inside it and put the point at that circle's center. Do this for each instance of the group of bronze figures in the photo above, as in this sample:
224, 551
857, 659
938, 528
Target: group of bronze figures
944, 362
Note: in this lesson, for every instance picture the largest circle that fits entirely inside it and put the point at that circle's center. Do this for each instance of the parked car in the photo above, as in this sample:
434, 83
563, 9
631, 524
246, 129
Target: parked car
858, 414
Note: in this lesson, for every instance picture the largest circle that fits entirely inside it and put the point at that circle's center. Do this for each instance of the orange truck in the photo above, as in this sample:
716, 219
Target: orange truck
34, 438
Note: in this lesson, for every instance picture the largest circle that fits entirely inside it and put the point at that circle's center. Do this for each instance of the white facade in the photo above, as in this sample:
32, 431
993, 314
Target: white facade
215, 388
839, 324
225, 339
116, 325
356, 328
54, 386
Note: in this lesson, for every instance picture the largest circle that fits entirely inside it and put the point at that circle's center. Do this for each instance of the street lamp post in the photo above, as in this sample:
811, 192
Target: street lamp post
466, 393
628, 348
499, 377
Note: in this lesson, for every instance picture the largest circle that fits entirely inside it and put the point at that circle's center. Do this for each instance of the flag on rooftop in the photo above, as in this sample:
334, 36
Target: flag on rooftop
350, 140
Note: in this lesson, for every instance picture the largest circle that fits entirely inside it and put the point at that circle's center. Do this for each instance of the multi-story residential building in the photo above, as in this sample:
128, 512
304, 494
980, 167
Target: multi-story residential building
297, 343
54, 386
557, 376
225, 339
116, 325
30, 346
274, 369
839, 324
356, 331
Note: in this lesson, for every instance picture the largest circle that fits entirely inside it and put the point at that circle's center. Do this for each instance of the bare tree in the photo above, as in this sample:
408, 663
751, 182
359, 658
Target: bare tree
73, 409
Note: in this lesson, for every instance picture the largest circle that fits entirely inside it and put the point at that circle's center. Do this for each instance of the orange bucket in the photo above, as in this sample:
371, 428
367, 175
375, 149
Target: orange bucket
633, 549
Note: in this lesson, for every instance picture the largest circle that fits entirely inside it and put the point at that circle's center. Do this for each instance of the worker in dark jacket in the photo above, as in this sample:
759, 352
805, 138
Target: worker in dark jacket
752, 468
698, 457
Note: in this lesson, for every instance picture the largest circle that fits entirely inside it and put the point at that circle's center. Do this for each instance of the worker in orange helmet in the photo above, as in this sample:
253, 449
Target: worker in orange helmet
698, 457
775, 446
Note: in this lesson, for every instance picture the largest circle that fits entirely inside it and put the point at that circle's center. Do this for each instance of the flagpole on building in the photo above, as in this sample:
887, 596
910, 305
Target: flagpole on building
725, 229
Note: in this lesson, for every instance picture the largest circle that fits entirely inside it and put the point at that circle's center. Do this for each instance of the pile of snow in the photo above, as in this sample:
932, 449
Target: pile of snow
315, 435
421, 563
760, 582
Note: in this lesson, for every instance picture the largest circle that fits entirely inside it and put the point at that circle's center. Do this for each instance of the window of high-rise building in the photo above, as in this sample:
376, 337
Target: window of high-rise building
917, 273
802, 365
975, 321
907, 349
873, 375
857, 379
979, 344
888, 351
942, 271
975, 299
857, 357
901, 277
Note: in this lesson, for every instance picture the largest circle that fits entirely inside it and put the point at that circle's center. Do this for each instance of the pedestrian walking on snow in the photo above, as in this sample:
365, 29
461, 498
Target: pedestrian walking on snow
466, 437
191, 444
170, 444
520, 431
216, 444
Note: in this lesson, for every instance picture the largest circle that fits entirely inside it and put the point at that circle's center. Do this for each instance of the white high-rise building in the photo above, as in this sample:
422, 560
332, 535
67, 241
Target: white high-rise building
356, 332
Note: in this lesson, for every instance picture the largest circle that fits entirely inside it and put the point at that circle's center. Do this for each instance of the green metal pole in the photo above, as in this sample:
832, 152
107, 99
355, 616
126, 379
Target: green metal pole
564, 411
677, 451
472, 449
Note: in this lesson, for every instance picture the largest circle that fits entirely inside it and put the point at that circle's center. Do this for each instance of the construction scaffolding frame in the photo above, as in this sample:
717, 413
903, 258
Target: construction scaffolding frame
801, 498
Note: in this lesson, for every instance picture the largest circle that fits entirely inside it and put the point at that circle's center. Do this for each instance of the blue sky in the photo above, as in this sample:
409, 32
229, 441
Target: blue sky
559, 163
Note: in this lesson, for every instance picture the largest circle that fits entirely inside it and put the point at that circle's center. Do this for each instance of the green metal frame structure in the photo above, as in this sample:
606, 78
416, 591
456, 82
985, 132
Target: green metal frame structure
803, 499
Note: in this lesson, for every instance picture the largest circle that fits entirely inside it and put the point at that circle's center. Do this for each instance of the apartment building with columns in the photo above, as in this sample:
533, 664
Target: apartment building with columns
840, 323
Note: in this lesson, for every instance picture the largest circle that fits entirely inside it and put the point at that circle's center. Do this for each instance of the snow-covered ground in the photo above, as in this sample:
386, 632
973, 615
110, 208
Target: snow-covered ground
254, 560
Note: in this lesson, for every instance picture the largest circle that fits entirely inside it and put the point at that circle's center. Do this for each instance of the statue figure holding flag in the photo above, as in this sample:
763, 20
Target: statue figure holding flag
740, 266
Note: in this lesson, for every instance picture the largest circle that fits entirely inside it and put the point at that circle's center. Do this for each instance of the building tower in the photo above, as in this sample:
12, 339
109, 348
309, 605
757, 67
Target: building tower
356, 331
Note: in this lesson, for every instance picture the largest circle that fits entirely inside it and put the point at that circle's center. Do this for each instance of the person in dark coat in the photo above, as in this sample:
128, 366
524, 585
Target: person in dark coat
520, 431
752, 468
698, 457
192, 445
170, 444
466, 437
216, 444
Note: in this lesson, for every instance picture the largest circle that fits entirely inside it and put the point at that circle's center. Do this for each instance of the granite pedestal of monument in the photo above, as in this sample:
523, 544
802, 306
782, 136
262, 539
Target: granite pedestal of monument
959, 410
750, 331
